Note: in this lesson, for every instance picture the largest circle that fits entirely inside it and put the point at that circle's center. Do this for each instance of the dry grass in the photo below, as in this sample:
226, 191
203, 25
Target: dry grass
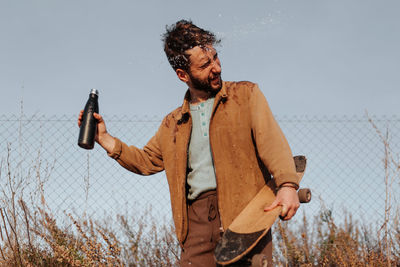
325, 243
87, 243
140, 242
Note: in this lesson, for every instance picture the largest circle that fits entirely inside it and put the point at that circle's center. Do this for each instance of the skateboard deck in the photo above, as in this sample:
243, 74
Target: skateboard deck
253, 222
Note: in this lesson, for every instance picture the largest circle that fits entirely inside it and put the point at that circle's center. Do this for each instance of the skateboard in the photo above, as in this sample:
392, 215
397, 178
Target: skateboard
253, 222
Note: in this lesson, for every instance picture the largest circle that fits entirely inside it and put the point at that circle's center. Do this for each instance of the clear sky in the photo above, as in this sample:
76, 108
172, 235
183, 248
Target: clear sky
309, 57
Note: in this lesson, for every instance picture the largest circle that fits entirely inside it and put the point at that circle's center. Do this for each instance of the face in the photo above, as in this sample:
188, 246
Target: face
205, 69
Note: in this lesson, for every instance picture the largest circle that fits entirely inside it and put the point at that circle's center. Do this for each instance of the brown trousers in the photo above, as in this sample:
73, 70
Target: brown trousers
205, 231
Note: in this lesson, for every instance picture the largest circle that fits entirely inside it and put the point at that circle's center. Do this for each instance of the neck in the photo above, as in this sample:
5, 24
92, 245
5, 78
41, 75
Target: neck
198, 96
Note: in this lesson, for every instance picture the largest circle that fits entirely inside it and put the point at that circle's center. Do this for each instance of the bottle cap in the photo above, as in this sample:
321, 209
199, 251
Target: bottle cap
94, 91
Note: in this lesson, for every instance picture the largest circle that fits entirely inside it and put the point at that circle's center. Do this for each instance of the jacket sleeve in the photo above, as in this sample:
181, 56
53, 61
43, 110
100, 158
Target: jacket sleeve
144, 161
271, 143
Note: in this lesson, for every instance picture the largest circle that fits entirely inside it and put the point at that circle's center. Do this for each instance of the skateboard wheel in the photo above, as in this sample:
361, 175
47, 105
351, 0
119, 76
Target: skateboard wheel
259, 260
304, 195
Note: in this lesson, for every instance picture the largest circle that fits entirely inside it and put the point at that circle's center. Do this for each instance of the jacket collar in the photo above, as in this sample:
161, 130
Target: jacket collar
185, 109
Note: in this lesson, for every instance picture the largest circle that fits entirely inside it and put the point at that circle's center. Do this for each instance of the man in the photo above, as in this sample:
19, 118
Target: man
218, 149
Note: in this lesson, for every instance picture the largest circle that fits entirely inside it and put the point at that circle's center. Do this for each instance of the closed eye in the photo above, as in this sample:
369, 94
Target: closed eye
215, 56
205, 65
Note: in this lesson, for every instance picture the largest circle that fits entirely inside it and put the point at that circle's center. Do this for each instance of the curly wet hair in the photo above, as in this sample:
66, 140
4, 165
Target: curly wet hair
180, 37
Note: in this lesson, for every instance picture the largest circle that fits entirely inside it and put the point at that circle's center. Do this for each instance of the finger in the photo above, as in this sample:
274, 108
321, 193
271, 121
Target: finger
288, 216
284, 211
80, 118
290, 213
272, 206
98, 117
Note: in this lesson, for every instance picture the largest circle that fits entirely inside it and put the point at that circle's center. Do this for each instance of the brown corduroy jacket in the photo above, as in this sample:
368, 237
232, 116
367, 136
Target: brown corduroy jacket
247, 147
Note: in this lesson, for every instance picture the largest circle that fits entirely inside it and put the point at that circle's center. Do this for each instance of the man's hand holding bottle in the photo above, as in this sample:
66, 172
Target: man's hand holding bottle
103, 138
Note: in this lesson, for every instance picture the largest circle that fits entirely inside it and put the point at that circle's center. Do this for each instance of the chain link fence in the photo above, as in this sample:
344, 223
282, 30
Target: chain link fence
346, 165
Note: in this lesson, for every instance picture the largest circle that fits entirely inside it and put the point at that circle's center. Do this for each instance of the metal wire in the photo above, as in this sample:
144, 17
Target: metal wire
345, 171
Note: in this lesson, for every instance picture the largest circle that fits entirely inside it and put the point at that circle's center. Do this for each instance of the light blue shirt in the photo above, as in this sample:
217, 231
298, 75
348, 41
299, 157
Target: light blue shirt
202, 175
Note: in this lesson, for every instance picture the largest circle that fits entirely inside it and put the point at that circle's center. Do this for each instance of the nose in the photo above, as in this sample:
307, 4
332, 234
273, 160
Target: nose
216, 68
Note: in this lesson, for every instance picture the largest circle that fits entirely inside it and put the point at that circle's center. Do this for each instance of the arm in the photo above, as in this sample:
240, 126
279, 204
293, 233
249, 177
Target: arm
275, 153
144, 161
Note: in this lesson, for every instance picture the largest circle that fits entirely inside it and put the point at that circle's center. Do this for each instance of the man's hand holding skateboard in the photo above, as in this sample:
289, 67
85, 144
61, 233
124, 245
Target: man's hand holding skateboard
103, 138
287, 198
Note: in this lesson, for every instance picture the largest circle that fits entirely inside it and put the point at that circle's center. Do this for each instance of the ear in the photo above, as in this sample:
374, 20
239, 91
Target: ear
182, 75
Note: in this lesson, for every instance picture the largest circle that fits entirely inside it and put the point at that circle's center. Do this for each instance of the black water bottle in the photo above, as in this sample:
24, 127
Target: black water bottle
88, 128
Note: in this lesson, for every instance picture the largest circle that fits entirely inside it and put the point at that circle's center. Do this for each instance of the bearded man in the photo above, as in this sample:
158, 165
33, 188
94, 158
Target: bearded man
218, 149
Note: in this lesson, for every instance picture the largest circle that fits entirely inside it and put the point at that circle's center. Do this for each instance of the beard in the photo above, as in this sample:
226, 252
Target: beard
206, 85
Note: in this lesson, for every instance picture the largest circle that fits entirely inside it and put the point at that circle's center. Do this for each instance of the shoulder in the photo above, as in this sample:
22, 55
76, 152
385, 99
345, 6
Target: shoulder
240, 85
241, 88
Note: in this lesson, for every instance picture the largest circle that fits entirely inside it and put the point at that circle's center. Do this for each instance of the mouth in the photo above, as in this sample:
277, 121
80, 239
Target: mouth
216, 79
